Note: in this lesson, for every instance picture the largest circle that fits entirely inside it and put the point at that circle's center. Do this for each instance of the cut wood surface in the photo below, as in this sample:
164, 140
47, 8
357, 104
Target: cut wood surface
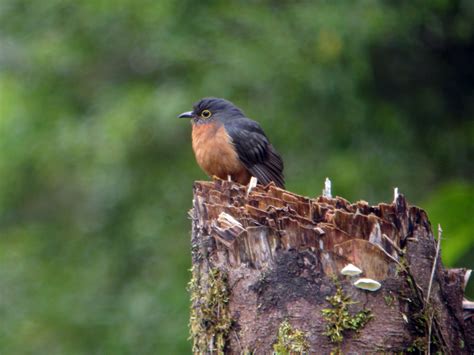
267, 276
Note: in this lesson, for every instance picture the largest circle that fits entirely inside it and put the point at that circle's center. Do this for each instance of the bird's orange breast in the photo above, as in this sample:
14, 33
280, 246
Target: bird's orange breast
216, 154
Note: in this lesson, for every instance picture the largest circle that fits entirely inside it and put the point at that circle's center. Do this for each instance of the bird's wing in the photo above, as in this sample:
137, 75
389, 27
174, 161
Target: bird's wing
255, 151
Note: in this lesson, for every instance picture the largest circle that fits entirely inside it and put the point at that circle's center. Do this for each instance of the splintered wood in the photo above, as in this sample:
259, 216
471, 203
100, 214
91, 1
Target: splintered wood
282, 255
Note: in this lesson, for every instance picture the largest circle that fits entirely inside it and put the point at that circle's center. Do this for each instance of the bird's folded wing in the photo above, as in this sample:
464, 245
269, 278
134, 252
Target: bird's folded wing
255, 151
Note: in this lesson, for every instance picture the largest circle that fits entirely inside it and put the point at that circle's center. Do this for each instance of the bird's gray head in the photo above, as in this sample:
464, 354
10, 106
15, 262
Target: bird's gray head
210, 109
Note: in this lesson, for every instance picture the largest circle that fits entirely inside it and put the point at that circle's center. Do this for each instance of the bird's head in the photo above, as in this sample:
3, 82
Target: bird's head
212, 109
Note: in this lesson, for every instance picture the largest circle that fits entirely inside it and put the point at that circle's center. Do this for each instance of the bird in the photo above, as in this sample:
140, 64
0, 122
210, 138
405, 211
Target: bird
227, 144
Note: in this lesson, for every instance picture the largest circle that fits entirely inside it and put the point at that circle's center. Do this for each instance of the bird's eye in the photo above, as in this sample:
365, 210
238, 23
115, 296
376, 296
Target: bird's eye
206, 114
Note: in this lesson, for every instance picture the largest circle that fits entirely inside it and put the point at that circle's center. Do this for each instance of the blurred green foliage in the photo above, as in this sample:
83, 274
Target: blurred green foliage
96, 173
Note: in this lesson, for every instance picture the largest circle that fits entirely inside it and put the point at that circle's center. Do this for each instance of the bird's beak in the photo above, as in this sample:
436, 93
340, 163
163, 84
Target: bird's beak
188, 114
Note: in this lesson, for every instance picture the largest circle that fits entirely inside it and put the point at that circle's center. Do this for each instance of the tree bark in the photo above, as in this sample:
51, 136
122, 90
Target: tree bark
267, 276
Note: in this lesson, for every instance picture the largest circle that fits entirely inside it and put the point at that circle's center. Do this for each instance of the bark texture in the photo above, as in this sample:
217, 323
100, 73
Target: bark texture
266, 276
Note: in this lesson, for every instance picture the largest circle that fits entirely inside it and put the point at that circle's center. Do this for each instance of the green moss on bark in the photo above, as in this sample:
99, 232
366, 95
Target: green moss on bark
210, 319
338, 318
290, 340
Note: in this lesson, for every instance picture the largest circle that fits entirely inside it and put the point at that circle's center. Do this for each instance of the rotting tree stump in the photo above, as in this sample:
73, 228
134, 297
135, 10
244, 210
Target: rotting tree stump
266, 276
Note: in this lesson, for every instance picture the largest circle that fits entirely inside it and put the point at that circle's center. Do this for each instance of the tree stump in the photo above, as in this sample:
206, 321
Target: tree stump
266, 276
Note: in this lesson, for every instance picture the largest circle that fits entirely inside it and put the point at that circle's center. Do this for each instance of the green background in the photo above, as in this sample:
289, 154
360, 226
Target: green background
96, 171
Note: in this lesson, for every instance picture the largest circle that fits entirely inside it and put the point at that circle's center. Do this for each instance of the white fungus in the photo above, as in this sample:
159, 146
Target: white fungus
367, 284
351, 270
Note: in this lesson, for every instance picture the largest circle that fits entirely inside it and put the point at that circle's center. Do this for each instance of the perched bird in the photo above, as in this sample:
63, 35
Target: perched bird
226, 143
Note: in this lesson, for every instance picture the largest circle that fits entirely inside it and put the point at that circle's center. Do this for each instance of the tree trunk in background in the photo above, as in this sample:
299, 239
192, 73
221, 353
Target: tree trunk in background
266, 276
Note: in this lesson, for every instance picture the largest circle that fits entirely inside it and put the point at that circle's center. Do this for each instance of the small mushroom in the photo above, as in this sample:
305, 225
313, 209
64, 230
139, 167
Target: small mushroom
367, 284
351, 270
